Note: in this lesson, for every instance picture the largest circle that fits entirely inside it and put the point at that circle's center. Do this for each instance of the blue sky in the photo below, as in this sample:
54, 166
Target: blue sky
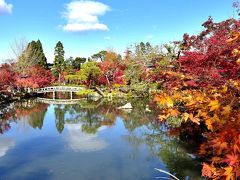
86, 27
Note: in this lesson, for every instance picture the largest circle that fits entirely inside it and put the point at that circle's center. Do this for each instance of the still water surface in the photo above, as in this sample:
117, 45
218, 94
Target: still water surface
89, 141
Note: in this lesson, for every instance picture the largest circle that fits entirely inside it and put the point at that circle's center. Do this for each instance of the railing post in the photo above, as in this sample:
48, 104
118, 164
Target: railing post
53, 94
71, 95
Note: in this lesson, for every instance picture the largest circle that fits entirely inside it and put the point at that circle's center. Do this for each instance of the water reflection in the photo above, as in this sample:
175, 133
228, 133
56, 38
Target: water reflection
59, 117
80, 141
5, 145
170, 150
99, 127
29, 111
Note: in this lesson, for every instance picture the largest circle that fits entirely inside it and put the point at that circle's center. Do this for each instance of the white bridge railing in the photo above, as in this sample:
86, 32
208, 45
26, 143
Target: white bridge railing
58, 89
57, 101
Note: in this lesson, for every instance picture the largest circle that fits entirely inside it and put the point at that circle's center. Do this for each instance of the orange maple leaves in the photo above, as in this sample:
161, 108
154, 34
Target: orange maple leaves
211, 106
217, 109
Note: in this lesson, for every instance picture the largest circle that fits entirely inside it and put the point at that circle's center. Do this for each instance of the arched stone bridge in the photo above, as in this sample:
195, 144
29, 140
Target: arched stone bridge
54, 89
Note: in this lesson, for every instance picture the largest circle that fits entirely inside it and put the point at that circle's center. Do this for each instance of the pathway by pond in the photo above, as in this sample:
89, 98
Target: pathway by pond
89, 140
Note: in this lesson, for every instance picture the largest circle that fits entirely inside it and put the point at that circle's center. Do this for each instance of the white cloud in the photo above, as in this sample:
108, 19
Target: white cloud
5, 8
5, 145
83, 16
82, 142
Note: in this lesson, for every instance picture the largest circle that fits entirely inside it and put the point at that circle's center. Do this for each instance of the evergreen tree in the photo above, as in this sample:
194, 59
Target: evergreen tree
58, 64
32, 55
42, 60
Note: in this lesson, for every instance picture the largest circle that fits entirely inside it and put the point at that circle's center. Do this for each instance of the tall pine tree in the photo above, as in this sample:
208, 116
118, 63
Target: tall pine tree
58, 64
33, 55
42, 60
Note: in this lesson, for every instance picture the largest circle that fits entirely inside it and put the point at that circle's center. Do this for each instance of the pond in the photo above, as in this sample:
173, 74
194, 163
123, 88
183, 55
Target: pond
90, 140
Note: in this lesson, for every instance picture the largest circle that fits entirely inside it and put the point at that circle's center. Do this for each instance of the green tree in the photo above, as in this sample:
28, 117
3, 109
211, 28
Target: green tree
77, 62
145, 52
58, 64
69, 61
139, 61
42, 60
25, 61
169, 54
32, 55
89, 72
100, 55
69, 69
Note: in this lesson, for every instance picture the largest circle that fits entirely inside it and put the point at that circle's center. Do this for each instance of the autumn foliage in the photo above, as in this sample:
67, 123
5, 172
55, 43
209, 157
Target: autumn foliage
204, 91
198, 87
6, 76
34, 77
112, 68
212, 57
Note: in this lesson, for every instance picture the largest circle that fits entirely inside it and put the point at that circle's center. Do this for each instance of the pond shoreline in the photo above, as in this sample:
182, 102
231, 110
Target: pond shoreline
7, 98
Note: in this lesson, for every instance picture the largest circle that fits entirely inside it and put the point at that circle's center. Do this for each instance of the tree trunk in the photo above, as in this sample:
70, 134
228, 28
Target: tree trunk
178, 56
107, 79
59, 78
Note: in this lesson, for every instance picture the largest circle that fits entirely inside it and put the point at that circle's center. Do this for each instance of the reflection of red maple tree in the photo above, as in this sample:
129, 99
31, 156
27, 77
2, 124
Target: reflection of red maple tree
20, 111
4, 127
35, 108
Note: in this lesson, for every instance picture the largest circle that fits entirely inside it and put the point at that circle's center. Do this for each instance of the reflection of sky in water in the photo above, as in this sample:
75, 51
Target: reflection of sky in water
5, 144
116, 152
83, 142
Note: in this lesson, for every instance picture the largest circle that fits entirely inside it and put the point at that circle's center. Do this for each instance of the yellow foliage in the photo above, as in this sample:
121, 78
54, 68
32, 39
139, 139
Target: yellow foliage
185, 116
164, 100
209, 124
228, 173
162, 117
225, 89
194, 119
174, 112
235, 52
214, 105
235, 37
238, 61
169, 102
227, 110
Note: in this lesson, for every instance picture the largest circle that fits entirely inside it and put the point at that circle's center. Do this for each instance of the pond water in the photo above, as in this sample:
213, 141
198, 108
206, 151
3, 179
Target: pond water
90, 141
